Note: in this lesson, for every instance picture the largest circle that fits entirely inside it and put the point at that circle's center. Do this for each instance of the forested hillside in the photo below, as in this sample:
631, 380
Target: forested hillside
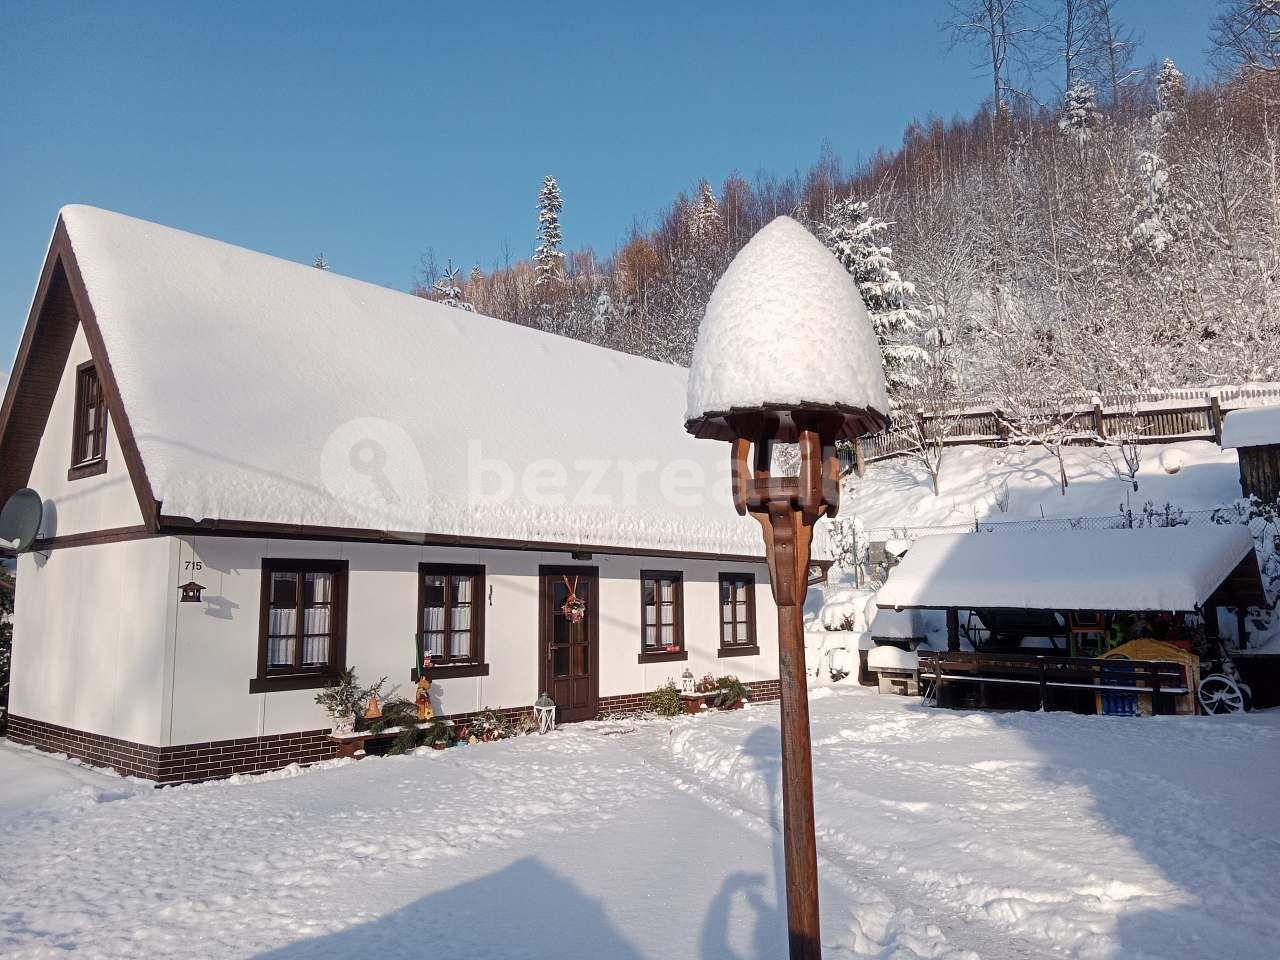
1097, 225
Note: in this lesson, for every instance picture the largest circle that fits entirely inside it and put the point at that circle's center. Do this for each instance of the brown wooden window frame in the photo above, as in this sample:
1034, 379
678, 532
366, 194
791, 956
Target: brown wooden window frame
88, 444
475, 665
737, 648
662, 654
299, 677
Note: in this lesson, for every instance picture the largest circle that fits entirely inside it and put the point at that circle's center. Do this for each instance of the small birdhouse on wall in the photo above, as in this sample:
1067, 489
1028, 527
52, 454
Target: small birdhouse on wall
191, 592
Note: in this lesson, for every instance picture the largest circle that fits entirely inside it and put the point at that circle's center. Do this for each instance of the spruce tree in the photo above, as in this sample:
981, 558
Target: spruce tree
1171, 96
548, 259
1080, 113
853, 235
320, 263
704, 218
448, 291
603, 317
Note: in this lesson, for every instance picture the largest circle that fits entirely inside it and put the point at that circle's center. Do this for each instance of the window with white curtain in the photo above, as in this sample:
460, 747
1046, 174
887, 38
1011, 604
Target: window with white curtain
451, 614
303, 620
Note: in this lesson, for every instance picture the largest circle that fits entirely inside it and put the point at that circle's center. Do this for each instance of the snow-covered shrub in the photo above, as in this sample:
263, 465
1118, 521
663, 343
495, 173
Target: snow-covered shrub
665, 701
489, 726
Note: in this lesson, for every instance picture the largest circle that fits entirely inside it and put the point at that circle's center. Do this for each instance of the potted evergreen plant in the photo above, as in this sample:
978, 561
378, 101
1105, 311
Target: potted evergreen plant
730, 693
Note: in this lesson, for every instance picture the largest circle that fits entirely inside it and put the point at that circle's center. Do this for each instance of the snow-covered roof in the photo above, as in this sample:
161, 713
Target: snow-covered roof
264, 390
897, 624
1154, 568
1253, 427
892, 658
785, 326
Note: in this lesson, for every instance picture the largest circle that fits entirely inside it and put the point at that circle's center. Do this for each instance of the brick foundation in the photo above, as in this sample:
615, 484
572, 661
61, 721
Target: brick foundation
192, 762
221, 758
181, 764
757, 691
123, 756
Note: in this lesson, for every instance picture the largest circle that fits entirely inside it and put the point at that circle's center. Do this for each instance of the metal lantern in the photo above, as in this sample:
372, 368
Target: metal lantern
544, 709
686, 681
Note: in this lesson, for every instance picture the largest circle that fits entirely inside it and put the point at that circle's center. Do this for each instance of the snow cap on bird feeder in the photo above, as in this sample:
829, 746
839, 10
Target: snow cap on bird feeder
544, 709
786, 352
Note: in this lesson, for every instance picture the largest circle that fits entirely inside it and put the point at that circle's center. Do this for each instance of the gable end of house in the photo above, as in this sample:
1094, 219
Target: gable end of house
60, 308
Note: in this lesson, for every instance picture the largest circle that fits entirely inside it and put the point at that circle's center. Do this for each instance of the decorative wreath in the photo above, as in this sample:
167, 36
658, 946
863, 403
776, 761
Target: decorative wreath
575, 608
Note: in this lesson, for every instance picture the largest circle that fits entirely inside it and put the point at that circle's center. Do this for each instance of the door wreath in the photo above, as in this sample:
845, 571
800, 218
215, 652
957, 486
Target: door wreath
575, 608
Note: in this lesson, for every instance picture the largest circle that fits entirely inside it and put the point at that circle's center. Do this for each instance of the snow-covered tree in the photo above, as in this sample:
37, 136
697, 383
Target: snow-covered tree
1171, 98
320, 263
1080, 117
448, 291
704, 216
1160, 218
603, 317
1246, 36
548, 258
854, 236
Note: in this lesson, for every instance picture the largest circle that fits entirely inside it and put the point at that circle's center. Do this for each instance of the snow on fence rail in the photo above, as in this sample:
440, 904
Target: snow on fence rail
1148, 417
1147, 516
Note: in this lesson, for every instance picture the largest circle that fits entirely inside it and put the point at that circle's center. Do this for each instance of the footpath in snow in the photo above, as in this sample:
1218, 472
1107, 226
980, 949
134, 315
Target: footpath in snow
941, 834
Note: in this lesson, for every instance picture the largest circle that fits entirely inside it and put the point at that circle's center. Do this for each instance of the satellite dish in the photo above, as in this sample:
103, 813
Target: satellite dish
20, 520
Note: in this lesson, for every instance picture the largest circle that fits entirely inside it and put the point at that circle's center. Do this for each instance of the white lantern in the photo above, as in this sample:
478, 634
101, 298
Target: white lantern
686, 681
544, 708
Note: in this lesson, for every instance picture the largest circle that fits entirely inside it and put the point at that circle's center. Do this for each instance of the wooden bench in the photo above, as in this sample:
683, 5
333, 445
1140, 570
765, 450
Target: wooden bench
1155, 678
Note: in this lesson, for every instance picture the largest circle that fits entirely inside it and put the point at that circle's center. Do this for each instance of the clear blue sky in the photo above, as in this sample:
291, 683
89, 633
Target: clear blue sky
373, 131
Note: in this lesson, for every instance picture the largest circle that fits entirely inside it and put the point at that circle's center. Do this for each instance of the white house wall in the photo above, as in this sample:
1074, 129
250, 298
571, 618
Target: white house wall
215, 648
89, 638
89, 504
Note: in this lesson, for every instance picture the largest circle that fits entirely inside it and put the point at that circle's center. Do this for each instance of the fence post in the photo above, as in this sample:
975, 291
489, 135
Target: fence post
1044, 687
1099, 424
1215, 416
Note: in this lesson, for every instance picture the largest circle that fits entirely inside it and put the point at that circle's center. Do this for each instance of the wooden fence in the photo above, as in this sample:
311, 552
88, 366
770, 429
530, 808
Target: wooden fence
1163, 417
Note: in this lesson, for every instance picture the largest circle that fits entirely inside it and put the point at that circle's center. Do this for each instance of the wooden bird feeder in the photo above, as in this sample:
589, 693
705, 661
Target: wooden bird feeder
190, 592
757, 340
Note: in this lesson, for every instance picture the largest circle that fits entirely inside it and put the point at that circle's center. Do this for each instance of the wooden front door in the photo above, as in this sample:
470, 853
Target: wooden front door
570, 652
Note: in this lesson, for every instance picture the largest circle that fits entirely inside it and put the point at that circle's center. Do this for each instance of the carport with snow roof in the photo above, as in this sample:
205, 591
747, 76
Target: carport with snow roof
1089, 591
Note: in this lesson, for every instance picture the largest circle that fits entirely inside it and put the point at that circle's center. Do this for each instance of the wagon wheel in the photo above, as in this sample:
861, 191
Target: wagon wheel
1218, 694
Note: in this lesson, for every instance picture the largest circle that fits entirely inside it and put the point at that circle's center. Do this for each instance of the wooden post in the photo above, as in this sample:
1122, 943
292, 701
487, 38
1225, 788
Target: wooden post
800, 846
1215, 414
786, 509
1099, 422
953, 630
1044, 687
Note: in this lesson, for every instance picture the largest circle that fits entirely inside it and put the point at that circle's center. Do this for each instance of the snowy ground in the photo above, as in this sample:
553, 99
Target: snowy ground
941, 834
975, 480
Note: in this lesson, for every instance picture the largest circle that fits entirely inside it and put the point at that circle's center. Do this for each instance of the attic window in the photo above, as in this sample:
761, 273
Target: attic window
89, 433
